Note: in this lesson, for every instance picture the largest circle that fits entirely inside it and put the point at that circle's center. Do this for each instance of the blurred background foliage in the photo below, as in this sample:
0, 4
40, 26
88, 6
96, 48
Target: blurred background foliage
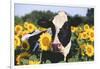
34, 16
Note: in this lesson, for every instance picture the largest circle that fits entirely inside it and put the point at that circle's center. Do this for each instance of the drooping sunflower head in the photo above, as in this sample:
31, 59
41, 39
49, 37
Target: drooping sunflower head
17, 41
18, 29
25, 45
89, 50
82, 47
21, 56
45, 41
31, 27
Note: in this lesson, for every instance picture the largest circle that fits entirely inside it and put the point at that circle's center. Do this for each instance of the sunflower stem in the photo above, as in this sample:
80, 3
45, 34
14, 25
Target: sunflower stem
40, 56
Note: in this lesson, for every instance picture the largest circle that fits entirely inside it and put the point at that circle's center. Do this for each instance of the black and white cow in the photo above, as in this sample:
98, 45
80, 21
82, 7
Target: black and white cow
60, 28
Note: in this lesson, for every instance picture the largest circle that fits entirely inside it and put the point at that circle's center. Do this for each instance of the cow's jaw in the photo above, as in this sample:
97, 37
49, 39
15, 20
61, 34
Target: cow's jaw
66, 50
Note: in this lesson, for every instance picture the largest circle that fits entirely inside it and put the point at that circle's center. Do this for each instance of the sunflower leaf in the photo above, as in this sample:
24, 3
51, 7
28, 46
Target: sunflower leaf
24, 61
33, 57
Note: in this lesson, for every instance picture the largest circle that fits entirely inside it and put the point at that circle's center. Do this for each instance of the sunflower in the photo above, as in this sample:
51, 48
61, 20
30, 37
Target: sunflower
25, 45
89, 50
86, 28
31, 27
79, 36
79, 29
25, 24
45, 41
33, 62
22, 56
17, 41
84, 35
91, 35
18, 29
24, 32
92, 27
82, 47
73, 29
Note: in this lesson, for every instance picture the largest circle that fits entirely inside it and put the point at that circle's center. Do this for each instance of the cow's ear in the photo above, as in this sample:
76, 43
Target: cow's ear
75, 21
44, 23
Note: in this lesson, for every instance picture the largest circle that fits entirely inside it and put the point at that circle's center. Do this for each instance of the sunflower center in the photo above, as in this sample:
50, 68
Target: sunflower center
18, 29
30, 27
45, 41
84, 35
24, 45
92, 35
89, 50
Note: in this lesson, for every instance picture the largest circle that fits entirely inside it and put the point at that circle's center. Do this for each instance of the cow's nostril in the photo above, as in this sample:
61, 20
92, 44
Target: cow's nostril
56, 46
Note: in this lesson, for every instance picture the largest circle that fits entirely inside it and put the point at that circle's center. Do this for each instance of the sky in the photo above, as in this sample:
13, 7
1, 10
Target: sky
23, 9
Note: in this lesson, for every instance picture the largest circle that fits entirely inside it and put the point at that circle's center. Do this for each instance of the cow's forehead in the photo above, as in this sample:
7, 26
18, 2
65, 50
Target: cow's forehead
61, 13
60, 19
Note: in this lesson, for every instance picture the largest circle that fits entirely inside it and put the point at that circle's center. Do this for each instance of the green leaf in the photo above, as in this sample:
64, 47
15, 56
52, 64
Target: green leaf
24, 61
33, 57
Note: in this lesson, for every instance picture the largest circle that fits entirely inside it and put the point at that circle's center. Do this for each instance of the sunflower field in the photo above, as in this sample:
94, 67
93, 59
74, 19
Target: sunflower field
82, 42
84, 36
22, 47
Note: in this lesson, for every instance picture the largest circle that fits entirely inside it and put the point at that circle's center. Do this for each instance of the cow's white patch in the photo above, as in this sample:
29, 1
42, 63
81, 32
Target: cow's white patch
60, 19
